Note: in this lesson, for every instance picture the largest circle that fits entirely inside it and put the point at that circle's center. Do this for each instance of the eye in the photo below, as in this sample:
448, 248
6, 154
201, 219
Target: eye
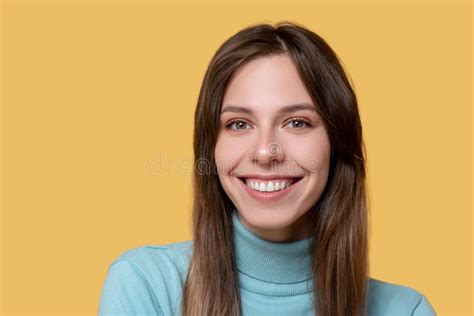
238, 124
300, 122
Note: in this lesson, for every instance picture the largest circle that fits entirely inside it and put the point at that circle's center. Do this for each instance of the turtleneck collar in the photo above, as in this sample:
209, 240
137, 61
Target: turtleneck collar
271, 268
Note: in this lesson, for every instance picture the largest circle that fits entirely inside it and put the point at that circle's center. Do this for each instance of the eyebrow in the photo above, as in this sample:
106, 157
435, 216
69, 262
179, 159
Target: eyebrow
284, 110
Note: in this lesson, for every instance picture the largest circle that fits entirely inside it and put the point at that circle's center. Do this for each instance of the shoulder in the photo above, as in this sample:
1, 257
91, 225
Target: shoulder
156, 261
169, 256
146, 279
394, 299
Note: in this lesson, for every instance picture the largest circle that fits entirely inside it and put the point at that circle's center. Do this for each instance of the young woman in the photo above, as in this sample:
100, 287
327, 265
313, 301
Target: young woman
280, 208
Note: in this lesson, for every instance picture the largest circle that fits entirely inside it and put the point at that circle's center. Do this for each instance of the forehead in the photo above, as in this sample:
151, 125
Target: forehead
266, 83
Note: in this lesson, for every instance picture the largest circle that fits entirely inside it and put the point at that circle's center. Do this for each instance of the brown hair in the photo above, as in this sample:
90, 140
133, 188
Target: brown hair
338, 219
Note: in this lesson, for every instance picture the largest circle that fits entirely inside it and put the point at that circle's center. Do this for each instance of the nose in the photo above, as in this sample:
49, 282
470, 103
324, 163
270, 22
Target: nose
268, 149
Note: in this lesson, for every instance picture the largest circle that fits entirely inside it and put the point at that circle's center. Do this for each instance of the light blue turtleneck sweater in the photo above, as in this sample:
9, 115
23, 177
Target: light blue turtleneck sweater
274, 279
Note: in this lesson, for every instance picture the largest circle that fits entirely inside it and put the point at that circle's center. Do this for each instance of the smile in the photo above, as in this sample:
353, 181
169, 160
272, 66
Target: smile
269, 191
269, 186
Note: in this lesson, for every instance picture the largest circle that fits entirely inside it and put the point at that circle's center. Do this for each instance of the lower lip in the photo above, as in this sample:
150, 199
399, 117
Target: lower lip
269, 197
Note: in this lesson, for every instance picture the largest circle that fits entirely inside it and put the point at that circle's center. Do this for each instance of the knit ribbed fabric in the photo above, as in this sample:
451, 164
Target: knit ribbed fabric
274, 279
271, 268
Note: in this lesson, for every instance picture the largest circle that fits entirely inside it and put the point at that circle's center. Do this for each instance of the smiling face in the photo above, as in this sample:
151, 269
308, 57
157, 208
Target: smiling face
269, 127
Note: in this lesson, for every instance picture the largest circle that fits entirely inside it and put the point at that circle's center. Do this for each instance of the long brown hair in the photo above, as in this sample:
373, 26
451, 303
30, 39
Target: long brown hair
338, 219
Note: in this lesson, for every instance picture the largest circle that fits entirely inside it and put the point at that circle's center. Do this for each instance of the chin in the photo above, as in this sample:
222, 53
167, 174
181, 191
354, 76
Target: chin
267, 219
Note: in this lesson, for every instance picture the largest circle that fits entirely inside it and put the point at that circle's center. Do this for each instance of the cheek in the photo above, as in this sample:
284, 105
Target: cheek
227, 155
312, 153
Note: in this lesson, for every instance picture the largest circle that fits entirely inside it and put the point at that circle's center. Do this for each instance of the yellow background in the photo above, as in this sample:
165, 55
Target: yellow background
98, 102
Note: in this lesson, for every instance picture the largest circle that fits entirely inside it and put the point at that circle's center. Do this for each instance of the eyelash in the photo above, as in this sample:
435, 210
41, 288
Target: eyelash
298, 119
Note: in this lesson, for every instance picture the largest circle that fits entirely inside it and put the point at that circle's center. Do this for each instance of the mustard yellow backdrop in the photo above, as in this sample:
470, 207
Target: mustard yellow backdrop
98, 102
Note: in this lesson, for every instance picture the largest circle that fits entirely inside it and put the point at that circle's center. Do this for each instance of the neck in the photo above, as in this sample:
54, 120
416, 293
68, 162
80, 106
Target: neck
295, 232
271, 268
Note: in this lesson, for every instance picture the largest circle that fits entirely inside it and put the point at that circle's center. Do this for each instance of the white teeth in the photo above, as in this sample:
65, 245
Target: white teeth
268, 186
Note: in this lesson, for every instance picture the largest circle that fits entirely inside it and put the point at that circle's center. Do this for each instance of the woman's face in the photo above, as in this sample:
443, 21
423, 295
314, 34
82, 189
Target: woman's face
271, 135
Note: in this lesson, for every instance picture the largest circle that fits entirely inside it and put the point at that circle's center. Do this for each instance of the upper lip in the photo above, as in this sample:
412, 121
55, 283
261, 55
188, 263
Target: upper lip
269, 177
